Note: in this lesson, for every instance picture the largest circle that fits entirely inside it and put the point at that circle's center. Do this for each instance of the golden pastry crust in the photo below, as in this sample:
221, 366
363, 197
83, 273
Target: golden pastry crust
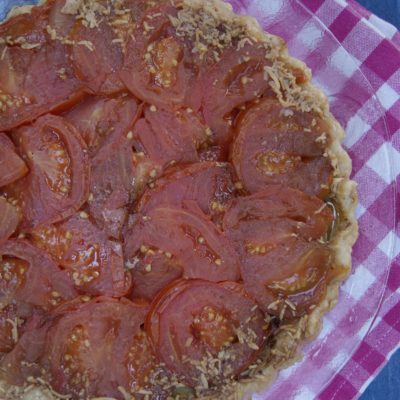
289, 340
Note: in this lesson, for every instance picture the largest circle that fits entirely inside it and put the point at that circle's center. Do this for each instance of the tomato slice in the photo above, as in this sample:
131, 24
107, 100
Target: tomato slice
170, 137
279, 235
306, 216
9, 324
12, 167
103, 36
58, 182
90, 337
189, 237
152, 273
102, 120
119, 175
94, 263
277, 145
209, 184
197, 323
159, 67
29, 276
35, 73
238, 78
21, 362
10, 217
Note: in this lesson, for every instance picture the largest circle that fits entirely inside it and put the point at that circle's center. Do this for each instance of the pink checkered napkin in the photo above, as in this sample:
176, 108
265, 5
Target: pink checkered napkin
355, 57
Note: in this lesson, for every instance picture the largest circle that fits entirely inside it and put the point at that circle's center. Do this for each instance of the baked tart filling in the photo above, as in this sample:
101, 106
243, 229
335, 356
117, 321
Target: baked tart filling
176, 213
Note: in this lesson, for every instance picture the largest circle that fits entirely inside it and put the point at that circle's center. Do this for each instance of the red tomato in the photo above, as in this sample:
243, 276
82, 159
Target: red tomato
159, 67
170, 137
9, 324
94, 263
276, 233
12, 166
10, 217
209, 184
238, 78
35, 73
58, 182
29, 276
189, 237
308, 216
101, 120
118, 177
102, 37
277, 145
88, 338
197, 323
21, 362
153, 272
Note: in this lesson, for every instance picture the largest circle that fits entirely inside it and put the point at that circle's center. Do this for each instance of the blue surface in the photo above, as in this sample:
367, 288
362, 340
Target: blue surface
386, 9
387, 385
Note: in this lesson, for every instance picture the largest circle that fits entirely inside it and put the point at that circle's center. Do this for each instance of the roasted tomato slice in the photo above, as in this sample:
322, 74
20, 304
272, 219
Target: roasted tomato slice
278, 145
12, 167
209, 184
9, 324
35, 73
88, 338
29, 276
10, 216
94, 263
21, 362
58, 182
102, 37
152, 272
159, 67
187, 236
102, 120
279, 234
239, 77
170, 137
119, 175
196, 324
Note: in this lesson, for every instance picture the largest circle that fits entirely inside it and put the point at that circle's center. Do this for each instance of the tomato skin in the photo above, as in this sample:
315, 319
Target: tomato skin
177, 314
119, 176
275, 145
277, 233
34, 278
152, 273
22, 361
209, 184
94, 335
58, 182
311, 217
237, 78
102, 120
97, 65
189, 237
159, 68
170, 137
94, 263
37, 80
10, 217
12, 167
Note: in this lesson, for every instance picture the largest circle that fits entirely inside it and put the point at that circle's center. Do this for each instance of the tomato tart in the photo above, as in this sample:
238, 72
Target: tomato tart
176, 212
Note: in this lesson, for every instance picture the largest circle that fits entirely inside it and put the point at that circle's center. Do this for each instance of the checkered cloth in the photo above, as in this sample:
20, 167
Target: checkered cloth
356, 61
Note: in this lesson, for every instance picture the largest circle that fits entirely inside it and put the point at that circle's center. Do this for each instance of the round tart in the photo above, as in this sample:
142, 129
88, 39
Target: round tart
176, 213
